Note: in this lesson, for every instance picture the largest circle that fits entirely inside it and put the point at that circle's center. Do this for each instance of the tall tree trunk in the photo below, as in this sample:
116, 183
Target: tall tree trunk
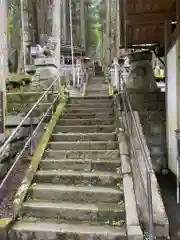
56, 28
108, 32
64, 21
118, 29
113, 28
82, 24
21, 57
3, 61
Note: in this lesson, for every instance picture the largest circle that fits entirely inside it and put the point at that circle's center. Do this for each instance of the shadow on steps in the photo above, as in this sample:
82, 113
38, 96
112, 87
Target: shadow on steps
167, 185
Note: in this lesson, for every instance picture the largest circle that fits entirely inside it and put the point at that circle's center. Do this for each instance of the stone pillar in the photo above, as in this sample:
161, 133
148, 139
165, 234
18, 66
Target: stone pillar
141, 76
173, 103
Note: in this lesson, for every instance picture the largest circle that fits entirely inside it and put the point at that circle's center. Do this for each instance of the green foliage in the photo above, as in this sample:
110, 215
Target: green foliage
96, 16
10, 25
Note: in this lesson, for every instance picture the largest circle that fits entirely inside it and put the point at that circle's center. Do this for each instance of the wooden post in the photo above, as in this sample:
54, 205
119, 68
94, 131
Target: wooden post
125, 26
178, 11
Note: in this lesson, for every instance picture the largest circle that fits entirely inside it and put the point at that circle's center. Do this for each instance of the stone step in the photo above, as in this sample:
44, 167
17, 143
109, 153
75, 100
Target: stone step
94, 88
38, 230
90, 145
80, 164
97, 92
100, 212
82, 154
77, 178
96, 105
100, 99
96, 121
78, 194
88, 110
86, 115
84, 128
83, 137
92, 101
92, 94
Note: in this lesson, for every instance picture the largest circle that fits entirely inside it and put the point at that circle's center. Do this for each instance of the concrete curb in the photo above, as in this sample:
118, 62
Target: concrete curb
134, 231
133, 228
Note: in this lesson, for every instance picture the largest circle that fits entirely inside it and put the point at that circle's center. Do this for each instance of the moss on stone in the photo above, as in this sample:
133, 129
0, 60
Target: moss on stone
18, 78
110, 90
4, 222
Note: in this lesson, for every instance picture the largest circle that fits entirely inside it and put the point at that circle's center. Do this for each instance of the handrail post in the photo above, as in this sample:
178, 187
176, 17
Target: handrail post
150, 206
52, 92
177, 180
177, 166
31, 136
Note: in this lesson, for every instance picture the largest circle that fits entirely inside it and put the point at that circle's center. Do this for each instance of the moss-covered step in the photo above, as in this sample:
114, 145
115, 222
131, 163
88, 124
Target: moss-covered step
89, 110
89, 145
77, 178
82, 154
84, 137
93, 213
93, 121
80, 164
46, 230
86, 115
84, 128
79, 194
85, 104
90, 100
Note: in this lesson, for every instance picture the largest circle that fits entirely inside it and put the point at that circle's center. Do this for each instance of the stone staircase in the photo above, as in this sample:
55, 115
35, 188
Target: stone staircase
77, 192
96, 87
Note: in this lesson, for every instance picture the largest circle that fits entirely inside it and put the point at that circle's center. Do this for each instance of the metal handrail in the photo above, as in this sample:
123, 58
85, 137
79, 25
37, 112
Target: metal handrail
33, 133
5, 145
177, 131
148, 167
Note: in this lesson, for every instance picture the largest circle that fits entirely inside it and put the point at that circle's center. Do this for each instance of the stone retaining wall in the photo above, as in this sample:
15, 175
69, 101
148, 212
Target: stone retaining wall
161, 224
